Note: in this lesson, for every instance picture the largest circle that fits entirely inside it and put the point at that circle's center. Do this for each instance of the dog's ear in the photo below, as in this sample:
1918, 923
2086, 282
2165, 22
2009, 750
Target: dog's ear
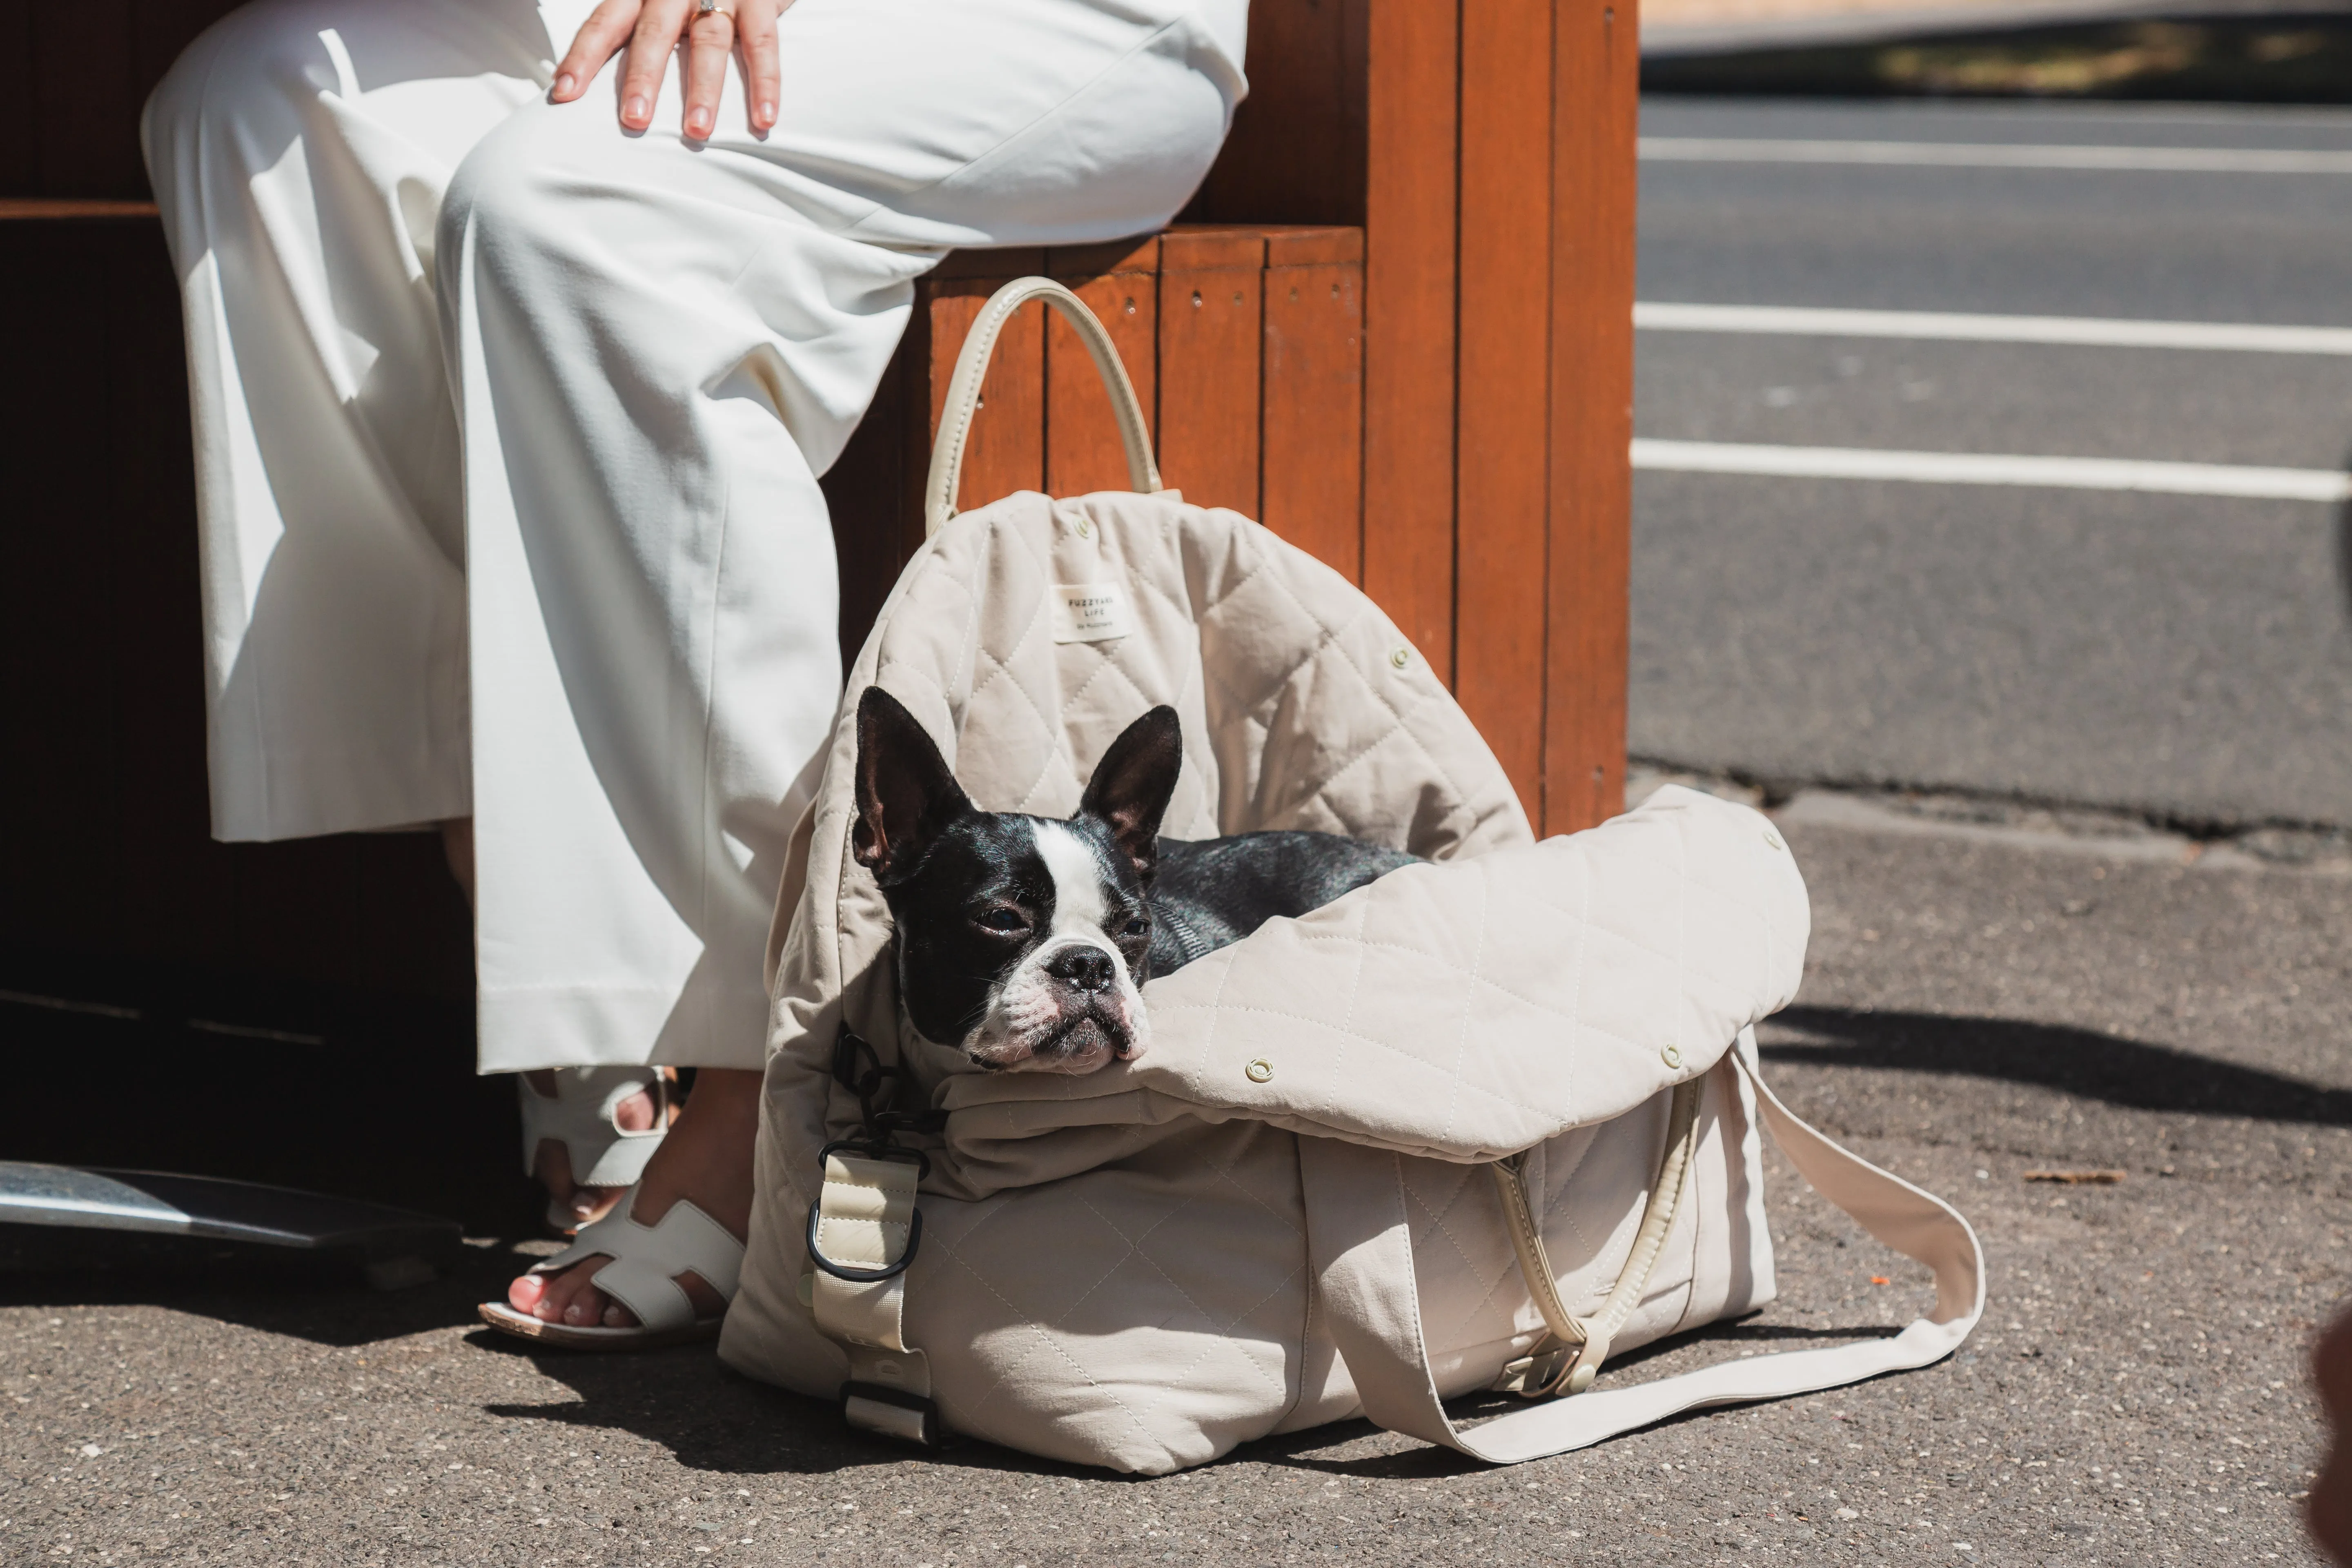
1132, 784
906, 794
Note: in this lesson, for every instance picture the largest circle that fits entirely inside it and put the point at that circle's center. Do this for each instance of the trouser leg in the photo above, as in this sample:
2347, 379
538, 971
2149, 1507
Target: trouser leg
298, 150
657, 346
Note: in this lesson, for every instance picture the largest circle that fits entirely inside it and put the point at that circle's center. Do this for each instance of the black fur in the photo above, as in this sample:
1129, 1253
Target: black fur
972, 896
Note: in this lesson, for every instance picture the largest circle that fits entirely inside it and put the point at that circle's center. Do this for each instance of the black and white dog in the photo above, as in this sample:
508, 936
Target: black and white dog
1023, 941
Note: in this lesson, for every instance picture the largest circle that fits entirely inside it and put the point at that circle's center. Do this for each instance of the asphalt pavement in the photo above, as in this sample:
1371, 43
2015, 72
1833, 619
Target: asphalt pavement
1983, 1000
1994, 991
2181, 654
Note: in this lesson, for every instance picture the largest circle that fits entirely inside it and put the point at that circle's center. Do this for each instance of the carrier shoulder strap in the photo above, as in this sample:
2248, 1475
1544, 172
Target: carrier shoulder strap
1361, 1250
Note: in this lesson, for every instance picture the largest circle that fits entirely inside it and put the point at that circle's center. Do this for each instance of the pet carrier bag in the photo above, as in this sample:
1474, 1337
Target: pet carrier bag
1474, 1126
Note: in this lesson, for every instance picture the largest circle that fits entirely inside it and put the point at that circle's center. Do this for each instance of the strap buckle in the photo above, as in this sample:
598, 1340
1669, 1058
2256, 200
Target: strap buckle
892, 1413
850, 1273
859, 1069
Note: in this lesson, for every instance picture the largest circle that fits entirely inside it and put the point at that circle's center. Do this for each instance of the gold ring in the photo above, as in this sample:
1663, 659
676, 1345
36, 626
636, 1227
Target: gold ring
711, 8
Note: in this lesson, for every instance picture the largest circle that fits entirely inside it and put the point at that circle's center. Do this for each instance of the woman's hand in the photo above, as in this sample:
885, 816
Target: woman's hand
651, 29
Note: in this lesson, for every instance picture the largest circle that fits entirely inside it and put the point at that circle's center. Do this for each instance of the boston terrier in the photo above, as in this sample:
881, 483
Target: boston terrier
1023, 941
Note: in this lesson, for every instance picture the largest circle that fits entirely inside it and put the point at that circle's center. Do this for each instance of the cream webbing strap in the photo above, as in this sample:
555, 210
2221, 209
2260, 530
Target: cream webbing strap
1363, 1254
1552, 1370
861, 1233
971, 368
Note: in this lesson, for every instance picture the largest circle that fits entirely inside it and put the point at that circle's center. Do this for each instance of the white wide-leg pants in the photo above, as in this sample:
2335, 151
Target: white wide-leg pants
509, 424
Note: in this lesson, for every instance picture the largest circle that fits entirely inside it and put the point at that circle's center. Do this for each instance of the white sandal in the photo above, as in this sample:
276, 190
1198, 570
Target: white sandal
642, 1277
581, 1115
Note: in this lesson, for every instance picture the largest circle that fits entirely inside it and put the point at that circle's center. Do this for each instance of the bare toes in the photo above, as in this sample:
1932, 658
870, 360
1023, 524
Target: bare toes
526, 1291
634, 1114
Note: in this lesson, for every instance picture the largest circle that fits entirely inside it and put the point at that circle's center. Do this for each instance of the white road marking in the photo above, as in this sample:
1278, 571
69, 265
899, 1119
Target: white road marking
2095, 332
1993, 155
1984, 469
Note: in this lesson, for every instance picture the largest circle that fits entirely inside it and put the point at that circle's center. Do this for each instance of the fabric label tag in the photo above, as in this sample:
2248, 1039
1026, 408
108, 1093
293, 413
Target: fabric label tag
1090, 612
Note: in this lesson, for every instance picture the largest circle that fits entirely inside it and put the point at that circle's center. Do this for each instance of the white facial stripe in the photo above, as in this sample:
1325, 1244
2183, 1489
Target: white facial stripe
1079, 907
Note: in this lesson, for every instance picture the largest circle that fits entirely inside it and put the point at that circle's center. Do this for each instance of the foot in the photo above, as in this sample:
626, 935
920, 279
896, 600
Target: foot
706, 1158
553, 1163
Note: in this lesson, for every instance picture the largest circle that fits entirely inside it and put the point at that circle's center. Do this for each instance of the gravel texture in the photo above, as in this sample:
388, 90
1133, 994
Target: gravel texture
1975, 1009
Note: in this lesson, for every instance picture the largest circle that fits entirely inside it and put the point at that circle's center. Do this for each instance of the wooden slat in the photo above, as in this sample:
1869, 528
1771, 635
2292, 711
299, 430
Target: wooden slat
1139, 254
1019, 261
1187, 247
23, 208
1212, 301
1409, 305
1596, 86
1006, 450
1083, 453
1314, 402
1304, 246
1502, 425
1296, 151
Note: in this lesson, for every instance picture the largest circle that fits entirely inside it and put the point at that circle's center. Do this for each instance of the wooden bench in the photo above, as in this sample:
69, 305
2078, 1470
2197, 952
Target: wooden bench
1410, 354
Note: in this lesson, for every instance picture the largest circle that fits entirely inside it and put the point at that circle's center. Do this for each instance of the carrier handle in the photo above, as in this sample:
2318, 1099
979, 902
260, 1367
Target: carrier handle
1571, 1365
971, 368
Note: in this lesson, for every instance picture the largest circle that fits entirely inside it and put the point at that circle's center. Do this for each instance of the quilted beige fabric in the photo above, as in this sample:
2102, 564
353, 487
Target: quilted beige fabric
1114, 1269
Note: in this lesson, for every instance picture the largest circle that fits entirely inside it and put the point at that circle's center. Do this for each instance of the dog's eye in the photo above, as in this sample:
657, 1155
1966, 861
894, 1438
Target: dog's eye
1135, 927
1003, 919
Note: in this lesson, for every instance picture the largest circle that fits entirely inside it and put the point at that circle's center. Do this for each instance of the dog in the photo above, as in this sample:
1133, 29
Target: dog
1023, 941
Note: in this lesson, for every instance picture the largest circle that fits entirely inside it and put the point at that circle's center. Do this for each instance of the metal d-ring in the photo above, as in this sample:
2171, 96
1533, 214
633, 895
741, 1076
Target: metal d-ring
863, 1276
872, 1151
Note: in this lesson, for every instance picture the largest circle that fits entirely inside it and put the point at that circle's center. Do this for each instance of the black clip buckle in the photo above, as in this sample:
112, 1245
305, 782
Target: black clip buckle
921, 1424
848, 1272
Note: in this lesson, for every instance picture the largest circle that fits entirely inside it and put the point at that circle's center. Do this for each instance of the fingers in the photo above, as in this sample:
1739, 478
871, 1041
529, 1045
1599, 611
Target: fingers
599, 39
755, 25
709, 42
650, 46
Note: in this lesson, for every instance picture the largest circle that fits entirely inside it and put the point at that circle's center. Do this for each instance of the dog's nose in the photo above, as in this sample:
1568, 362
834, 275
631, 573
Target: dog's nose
1082, 968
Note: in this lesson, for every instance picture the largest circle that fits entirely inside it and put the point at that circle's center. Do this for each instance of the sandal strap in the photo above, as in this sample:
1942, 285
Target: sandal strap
647, 1258
580, 1116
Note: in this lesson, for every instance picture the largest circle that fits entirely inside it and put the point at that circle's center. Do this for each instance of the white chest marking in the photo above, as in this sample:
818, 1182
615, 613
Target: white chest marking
1079, 907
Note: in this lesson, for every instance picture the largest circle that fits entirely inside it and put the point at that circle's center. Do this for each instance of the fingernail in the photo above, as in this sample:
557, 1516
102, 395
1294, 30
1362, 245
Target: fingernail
636, 107
564, 84
697, 123
767, 114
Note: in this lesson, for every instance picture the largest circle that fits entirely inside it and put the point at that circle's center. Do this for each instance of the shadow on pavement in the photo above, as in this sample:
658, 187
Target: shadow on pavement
712, 1419
316, 1299
1312, 1449
2130, 1073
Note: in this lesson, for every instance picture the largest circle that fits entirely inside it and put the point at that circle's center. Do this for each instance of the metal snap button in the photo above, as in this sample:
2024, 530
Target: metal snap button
1400, 657
1673, 1056
1259, 1071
